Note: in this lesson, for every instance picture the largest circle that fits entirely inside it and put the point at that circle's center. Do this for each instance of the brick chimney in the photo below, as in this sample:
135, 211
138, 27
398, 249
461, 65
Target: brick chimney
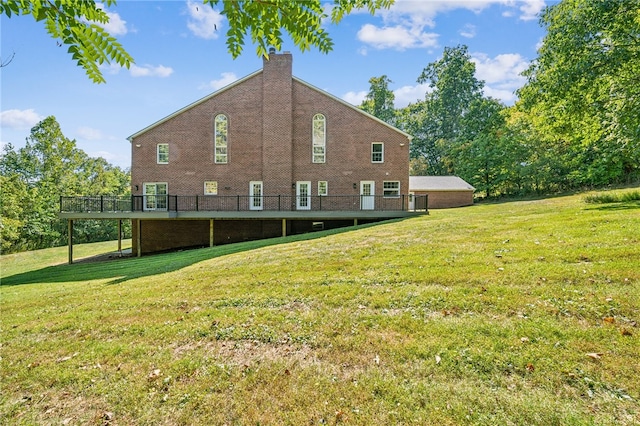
277, 123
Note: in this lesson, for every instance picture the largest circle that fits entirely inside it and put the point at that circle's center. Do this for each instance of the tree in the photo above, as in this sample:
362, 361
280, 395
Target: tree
454, 85
480, 153
35, 176
585, 87
77, 25
436, 122
379, 100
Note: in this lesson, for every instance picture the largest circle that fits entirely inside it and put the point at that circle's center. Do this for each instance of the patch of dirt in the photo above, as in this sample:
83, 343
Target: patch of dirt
248, 353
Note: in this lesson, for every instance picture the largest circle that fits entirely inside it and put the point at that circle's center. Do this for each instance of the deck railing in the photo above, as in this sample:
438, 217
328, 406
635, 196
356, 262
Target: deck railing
241, 203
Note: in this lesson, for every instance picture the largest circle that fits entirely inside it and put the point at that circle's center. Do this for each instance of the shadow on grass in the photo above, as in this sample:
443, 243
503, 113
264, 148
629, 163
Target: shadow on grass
128, 268
628, 205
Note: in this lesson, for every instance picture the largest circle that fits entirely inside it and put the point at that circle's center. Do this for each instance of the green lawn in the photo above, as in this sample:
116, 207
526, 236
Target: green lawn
509, 313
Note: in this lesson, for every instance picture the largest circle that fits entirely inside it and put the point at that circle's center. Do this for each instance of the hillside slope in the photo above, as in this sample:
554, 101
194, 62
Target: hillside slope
513, 313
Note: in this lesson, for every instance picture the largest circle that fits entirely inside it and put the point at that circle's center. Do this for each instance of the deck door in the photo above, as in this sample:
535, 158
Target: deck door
367, 194
303, 195
155, 195
255, 195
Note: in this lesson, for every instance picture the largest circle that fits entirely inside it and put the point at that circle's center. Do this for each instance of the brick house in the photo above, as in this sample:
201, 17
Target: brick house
266, 156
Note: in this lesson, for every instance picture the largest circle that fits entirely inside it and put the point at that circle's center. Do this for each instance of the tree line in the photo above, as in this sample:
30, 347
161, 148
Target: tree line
34, 177
575, 124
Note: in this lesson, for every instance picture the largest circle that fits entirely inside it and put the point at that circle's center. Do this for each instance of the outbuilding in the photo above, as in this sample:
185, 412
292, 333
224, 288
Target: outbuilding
443, 191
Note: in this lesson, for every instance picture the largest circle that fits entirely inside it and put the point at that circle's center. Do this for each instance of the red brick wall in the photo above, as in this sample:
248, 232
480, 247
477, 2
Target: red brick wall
166, 234
447, 199
348, 146
190, 138
270, 140
270, 144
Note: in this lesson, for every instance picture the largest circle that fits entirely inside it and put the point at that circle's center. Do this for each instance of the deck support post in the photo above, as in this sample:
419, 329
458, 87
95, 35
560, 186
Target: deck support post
284, 227
211, 233
355, 222
139, 237
120, 237
70, 229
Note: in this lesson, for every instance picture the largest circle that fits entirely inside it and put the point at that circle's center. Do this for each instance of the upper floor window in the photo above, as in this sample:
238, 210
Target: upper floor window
162, 153
319, 138
377, 152
221, 138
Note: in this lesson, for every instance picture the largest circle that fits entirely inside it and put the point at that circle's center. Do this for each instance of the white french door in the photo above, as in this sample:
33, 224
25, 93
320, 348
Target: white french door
303, 195
367, 194
255, 195
155, 195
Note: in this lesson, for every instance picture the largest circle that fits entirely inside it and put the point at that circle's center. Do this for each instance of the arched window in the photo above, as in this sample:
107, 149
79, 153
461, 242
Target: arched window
221, 131
319, 138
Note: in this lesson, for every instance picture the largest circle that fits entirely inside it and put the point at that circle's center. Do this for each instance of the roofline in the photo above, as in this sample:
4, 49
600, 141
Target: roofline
193, 104
347, 104
253, 74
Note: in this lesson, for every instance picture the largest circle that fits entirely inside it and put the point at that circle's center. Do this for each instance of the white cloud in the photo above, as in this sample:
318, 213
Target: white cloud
204, 21
116, 25
410, 94
19, 119
117, 159
226, 78
405, 21
90, 134
355, 98
402, 96
530, 9
501, 74
468, 31
397, 37
503, 67
150, 71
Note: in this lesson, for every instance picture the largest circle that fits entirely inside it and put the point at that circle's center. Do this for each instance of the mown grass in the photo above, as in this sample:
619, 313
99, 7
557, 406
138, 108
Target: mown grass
513, 313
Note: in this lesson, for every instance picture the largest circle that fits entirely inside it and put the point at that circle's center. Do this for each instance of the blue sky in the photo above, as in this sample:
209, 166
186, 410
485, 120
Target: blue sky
180, 58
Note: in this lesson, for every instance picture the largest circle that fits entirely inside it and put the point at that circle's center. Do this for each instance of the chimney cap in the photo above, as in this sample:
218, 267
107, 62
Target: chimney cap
272, 50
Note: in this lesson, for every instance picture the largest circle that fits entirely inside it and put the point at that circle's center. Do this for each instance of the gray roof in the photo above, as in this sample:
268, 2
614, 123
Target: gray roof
438, 183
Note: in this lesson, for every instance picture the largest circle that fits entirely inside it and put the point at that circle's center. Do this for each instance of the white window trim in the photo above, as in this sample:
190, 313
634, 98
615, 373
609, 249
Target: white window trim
212, 182
323, 141
381, 153
150, 201
303, 201
158, 153
395, 190
326, 188
215, 140
256, 201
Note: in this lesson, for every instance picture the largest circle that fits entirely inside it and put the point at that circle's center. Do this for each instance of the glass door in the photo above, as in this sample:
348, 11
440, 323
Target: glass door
303, 195
367, 195
155, 196
255, 195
